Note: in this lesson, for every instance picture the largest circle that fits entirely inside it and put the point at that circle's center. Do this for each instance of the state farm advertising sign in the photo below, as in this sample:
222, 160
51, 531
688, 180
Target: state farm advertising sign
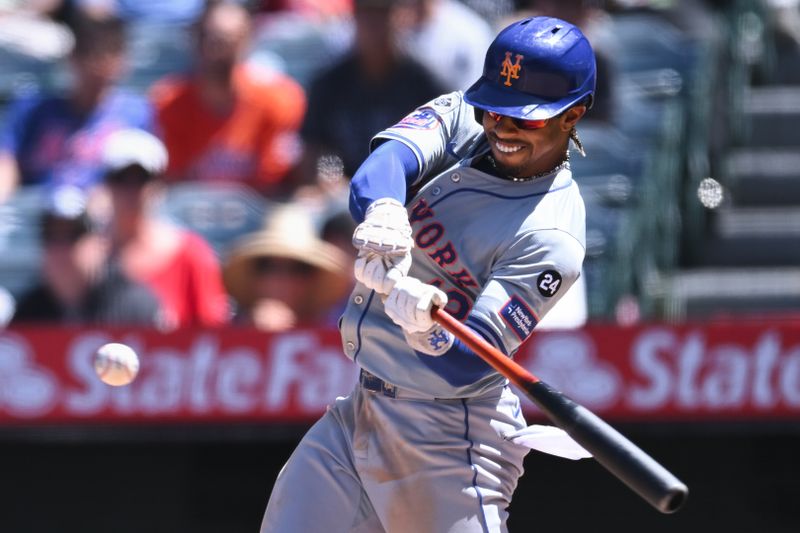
711, 372
649, 373
47, 375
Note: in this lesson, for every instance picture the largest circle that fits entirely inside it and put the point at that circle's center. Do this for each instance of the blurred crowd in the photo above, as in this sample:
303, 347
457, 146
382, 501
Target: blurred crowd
190, 159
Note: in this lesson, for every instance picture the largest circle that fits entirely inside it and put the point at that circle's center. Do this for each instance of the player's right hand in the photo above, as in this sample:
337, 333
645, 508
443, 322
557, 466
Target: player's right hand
385, 230
379, 272
410, 303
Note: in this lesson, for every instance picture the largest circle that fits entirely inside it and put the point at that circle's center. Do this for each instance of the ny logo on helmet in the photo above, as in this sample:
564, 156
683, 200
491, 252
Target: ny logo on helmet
511, 70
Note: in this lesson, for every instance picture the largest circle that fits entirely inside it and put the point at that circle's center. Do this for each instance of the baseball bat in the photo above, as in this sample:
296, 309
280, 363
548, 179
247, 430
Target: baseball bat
610, 448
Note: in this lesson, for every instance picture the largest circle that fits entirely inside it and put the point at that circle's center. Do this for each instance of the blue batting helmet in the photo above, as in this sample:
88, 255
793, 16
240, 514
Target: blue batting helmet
535, 68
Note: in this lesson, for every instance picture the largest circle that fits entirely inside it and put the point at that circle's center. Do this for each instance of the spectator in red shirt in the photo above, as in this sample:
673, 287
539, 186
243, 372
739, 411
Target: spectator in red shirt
308, 8
228, 121
177, 265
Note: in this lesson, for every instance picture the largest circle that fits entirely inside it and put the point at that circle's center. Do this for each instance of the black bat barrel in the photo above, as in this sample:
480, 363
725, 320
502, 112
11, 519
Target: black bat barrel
611, 449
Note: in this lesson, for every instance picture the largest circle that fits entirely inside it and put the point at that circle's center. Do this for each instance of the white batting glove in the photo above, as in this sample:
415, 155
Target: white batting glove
410, 303
378, 272
385, 229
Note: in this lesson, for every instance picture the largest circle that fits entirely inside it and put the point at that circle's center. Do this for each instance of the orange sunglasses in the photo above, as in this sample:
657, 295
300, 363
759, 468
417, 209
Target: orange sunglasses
520, 123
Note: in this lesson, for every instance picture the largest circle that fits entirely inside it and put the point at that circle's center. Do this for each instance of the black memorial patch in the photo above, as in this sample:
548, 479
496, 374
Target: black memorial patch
548, 283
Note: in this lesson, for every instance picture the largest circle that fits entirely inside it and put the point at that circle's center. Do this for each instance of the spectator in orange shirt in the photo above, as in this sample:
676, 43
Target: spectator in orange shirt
177, 265
228, 121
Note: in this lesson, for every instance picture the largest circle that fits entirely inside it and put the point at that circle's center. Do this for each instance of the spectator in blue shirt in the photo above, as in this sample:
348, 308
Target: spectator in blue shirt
56, 139
148, 11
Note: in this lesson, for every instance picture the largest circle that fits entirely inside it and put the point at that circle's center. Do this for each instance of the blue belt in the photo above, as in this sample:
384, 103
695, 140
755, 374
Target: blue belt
373, 383
376, 384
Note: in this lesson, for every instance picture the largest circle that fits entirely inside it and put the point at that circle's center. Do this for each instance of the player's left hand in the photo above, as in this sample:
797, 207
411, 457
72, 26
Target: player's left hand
379, 272
410, 303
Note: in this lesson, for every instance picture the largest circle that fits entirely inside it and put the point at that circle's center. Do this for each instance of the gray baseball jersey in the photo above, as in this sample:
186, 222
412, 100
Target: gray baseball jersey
429, 448
503, 251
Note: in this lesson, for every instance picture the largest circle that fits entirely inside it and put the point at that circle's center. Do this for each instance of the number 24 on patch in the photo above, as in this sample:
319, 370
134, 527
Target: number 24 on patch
548, 283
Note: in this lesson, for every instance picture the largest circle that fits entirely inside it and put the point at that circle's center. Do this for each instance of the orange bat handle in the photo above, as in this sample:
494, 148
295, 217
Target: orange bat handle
518, 375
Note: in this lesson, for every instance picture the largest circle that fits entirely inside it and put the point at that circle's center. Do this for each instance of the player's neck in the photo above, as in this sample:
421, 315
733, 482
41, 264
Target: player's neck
489, 165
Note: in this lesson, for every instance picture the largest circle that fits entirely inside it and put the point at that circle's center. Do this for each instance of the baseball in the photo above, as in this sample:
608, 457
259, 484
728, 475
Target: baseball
116, 364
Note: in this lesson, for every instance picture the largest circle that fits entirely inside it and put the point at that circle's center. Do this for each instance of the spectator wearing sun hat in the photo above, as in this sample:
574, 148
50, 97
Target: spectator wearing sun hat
284, 275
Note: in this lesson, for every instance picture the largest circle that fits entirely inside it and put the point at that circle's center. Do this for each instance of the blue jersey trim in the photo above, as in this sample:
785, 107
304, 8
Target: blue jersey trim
472, 466
449, 148
497, 195
487, 332
358, 326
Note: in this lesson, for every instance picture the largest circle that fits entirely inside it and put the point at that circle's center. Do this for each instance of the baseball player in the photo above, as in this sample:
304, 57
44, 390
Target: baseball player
467, 203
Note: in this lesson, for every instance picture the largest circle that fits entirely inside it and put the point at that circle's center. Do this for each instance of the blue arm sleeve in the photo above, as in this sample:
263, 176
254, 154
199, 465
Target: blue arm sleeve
386, 173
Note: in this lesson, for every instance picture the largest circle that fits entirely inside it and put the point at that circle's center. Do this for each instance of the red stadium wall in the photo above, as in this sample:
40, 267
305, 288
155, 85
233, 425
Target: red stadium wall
79, 456
694, 372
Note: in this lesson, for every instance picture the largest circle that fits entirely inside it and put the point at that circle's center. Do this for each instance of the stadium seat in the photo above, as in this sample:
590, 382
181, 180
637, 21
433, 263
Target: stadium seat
156, 50
22, 74
20, 248
650, 43
298, 46
220, 212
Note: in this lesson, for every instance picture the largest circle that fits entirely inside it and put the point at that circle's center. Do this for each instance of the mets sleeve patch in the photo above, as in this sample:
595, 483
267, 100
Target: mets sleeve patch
421, 119
519, 316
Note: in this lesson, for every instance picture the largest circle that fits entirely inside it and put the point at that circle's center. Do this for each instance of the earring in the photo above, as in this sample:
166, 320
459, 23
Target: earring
573, 134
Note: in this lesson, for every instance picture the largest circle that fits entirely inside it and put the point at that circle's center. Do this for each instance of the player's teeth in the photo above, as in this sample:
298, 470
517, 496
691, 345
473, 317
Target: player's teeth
505, 148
